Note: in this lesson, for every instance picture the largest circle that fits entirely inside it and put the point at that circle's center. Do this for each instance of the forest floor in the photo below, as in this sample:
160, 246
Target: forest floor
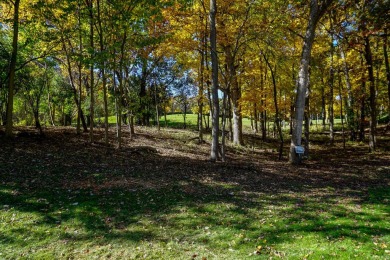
159, 197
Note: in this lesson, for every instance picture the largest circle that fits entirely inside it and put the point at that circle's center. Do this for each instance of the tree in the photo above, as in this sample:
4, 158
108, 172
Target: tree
317, 10
214, 69
12, 67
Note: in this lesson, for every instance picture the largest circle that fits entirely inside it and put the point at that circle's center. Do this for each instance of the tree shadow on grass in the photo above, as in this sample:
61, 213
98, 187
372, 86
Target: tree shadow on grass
82, 193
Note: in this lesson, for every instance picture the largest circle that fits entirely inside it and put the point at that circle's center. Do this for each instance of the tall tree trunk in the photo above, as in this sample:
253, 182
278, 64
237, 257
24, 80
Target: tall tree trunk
214, 70
263, 114
80, 93
103, 72
203, 49
386, 58
131, 124
277, 117
78, 122
223, 141
142, 93
92, 74
156, 103
11, 78
331, 84
235, 96
323, 104
350, 104
362, 104
74, 90
371, 78
316, 12
230, 116
37, 122
306, 116
341, 109
120, 78
256, 117
331, 102
307, 124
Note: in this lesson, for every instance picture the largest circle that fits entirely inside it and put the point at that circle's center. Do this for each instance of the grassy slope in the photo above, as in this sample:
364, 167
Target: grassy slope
75, 200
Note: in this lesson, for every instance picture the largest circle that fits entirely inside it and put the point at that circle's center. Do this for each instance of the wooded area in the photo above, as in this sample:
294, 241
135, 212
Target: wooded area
244, 113
76, 61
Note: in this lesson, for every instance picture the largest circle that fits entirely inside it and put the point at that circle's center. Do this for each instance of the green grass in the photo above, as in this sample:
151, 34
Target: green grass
71, 200
177, 121
170, 224
78, 203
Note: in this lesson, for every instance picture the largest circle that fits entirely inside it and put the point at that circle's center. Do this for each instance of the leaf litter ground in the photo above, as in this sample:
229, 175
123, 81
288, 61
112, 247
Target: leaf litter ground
160, 198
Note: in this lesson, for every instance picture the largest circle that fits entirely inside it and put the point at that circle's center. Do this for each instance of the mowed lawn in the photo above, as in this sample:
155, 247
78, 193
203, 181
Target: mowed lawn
63, 198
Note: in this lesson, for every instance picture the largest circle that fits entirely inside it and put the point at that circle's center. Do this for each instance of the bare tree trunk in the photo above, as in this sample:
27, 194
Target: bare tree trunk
78, 126
80, 111
235, 97
349, 105
277, 117
92, 74
331, 87
142, 93
316, 12
263, 115
323, 105
103, 72
51, 108
215, 100
131, 124
120, 77
156, 102
223, 145
307, 125
373, 119
203, 49
362, 105
386, 58
230, 115
37, 122
165, 118
11, 78
256, 117
74, 90
341, 110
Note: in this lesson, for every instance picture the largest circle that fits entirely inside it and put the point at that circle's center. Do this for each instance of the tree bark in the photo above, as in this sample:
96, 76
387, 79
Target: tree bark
103, 72
74, 90
372, 98
12, 67
362, 104
331, 84
323, 104
341, 109
223, 141
316, 11
386, 58
331, 101
120, 77
203, 49
263, 114
142, 94
277, 117
214, 70
349, 105
235, 96
92, 75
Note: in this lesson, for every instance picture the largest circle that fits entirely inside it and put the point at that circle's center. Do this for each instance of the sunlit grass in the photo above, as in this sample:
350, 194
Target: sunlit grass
195, 215
171, 224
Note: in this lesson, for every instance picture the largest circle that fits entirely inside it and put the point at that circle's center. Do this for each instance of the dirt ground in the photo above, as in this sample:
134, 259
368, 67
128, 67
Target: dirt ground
160, 158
